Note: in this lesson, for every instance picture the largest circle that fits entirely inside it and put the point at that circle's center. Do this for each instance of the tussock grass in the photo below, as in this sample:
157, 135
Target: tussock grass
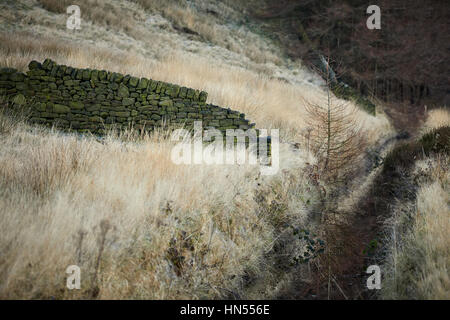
254, 86
180, 17
138, 225
171, 231
270, 103
419, 254
436, 118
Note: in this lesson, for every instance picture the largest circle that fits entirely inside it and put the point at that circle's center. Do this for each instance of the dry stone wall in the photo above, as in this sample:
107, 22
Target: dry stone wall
94, 101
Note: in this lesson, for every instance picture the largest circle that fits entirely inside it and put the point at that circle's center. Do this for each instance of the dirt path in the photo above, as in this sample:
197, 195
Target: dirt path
353, 244
406, 118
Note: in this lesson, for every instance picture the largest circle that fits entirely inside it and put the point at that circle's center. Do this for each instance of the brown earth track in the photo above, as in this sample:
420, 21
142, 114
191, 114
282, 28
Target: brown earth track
353, 245
406, 118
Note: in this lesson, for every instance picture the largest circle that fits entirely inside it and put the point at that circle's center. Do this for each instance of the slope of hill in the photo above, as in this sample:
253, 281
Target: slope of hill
138, 225
236, 66
416, 233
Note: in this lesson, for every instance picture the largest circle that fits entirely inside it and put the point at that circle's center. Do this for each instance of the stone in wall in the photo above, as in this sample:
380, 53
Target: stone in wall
94, 101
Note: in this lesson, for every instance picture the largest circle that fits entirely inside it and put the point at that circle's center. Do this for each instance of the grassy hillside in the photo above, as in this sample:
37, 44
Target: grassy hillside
138, 225
417, 249
237, 67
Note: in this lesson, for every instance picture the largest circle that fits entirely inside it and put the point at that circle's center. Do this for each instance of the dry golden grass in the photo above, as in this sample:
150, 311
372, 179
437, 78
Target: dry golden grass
270, 103
173, 231
436, 118
70, 200
248, 86
419, 243
130, 17
419, 253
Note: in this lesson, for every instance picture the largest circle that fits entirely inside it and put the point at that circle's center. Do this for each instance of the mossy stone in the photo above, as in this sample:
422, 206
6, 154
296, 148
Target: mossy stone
21, 86
203, 96
47, 64
19, 99
152, 86
94, 75
118, 78
102, 75
59, 108
77, 105
96, 119
34, 65
190, 93
166, 103
40, 106
127, 101
143, 83
159, 85
123, 91
133, 81
120, 114
17, 77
